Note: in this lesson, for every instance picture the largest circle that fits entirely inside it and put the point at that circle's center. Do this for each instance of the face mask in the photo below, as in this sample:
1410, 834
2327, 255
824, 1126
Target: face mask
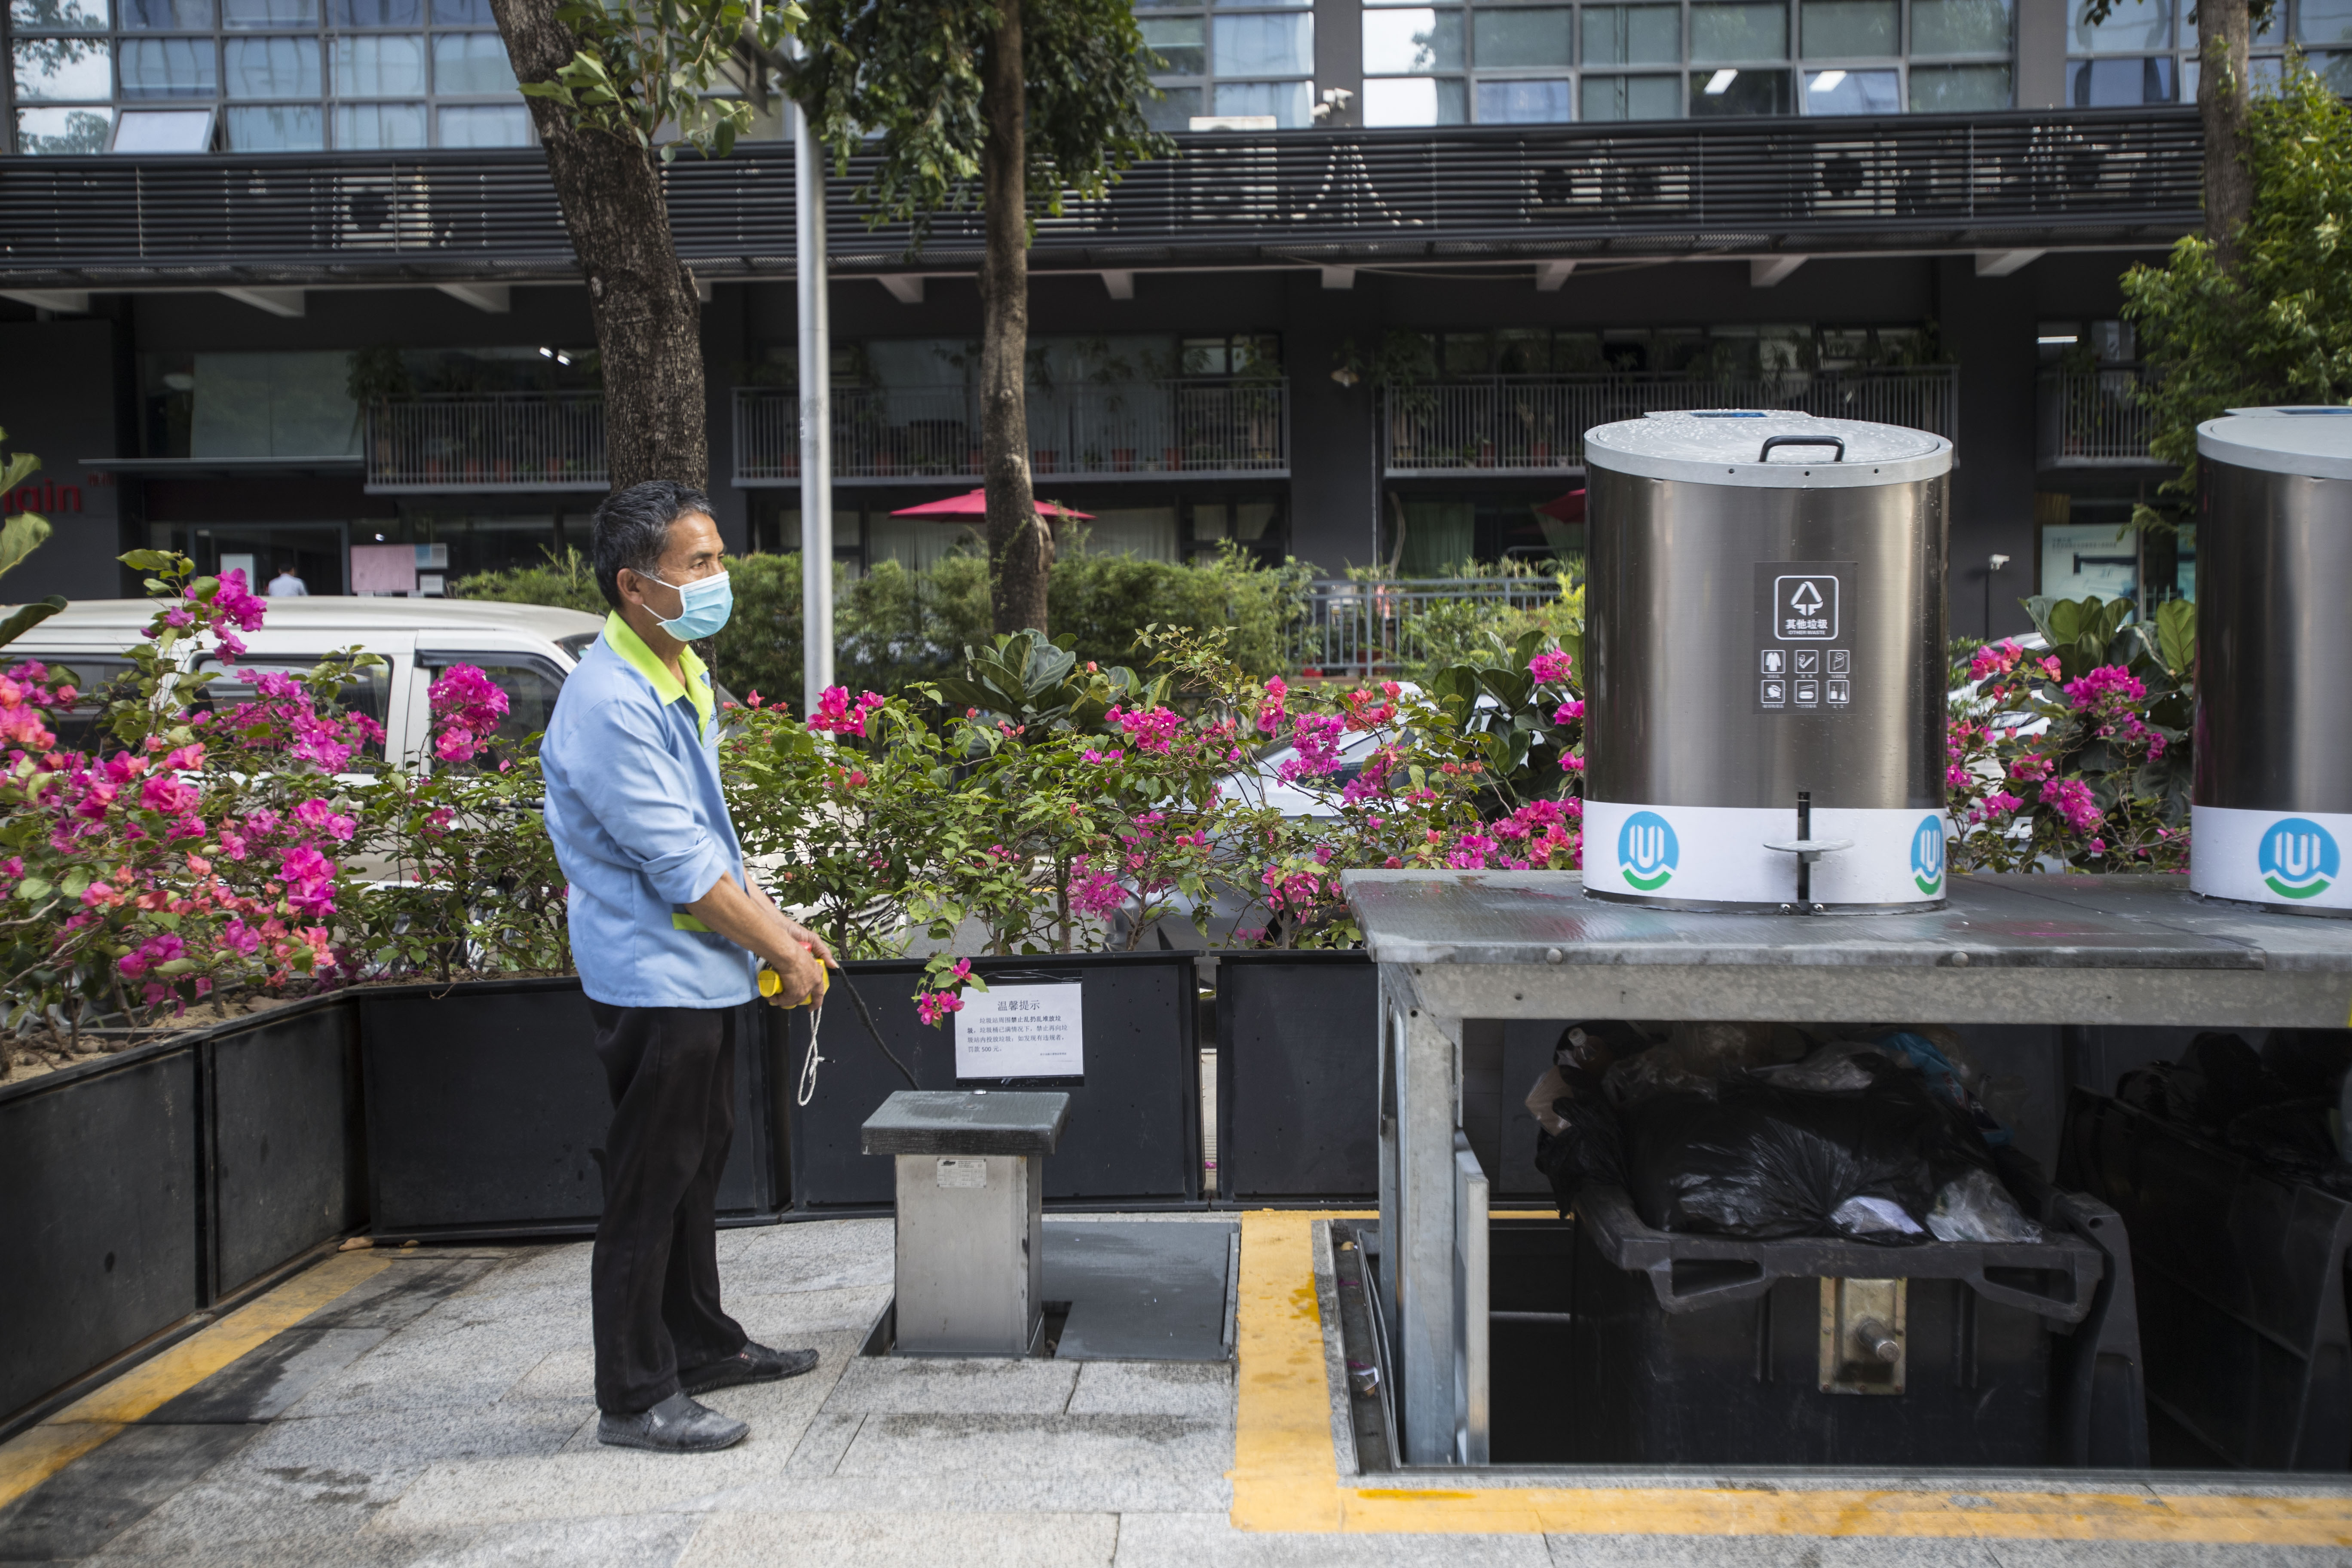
704, 607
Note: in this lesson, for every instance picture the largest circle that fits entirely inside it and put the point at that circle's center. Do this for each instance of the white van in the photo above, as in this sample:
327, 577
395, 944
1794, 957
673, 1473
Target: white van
528, 650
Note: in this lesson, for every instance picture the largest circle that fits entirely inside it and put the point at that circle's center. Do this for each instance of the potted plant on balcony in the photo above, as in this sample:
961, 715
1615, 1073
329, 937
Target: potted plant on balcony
377, 378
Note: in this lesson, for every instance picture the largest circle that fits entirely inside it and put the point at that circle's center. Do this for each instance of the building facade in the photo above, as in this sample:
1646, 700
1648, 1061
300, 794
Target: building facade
286, 284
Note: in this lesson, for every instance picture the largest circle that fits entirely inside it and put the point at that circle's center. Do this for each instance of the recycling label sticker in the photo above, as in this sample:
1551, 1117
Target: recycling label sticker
1803, 661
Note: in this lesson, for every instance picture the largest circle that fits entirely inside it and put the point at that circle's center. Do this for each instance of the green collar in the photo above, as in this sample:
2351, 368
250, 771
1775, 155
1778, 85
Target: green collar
633, 650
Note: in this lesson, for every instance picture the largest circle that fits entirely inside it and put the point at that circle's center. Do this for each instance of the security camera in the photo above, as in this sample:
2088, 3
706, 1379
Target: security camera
1998, 562
1337, 97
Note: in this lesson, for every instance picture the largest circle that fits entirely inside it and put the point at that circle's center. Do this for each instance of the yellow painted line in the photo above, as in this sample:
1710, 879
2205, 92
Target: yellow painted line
1285, 1474
33, 1457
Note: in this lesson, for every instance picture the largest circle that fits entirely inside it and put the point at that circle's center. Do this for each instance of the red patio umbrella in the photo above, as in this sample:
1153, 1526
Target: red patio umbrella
1568, 507
976, 505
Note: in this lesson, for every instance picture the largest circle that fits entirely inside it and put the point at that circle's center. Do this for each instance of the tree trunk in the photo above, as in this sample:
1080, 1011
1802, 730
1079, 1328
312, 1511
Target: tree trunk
2223, 30
641, 298
1020, 547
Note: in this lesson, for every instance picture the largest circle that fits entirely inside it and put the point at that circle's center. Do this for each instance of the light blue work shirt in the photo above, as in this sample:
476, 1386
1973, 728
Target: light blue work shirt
640, 826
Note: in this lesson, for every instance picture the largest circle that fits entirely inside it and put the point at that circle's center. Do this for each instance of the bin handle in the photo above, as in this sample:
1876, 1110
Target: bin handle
1771, 441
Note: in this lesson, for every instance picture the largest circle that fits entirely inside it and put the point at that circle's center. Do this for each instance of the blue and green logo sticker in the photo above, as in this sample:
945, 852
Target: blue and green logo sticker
1646, 850
2299, 859
1927, 855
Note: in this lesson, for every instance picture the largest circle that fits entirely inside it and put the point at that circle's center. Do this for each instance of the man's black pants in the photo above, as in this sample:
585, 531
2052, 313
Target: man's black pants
654, 1280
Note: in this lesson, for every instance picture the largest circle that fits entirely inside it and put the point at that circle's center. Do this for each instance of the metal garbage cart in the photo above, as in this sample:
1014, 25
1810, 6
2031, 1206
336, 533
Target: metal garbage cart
1453, 946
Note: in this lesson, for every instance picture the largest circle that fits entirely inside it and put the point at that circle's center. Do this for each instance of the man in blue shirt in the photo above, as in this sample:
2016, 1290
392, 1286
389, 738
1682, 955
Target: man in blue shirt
668, 930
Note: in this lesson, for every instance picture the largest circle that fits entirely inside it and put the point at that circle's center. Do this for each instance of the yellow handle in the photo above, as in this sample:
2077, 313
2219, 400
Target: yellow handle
770, 982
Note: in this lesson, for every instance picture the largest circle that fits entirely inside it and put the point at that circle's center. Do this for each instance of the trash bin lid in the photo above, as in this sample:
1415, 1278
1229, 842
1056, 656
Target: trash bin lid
1729, 447
2313, 441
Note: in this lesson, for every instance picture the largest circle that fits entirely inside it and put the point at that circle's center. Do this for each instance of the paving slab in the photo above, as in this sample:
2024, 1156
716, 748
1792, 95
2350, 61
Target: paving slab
1202, 1539
940, 1384
1202, 1390
96, 1499
898, 1540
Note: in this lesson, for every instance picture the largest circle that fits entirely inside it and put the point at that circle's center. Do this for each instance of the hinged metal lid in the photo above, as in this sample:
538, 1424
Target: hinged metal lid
2313, 440
1767, 449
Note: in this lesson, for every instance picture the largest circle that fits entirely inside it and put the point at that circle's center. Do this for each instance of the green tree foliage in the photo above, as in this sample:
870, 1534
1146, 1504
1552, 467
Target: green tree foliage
19, 537
2278, 327
645, 67
903, 82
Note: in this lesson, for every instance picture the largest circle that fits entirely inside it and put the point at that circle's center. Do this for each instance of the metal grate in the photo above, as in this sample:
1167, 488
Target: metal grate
1536, 424
1145, 429
487, 441
1363, 629
2015, 179
2096, 418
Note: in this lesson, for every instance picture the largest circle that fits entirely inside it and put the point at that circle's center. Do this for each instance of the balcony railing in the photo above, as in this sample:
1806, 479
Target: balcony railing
487, 441
2096, 418
1130, 430
1363, 629
1536, 424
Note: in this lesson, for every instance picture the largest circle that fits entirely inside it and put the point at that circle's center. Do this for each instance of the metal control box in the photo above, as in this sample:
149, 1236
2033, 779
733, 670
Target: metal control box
970, 1215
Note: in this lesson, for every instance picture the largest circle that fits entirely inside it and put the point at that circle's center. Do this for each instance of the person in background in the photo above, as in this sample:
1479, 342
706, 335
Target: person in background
668, 930
287, 585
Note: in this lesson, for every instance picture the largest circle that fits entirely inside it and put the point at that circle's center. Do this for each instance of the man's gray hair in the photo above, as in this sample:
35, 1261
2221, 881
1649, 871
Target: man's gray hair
633, 530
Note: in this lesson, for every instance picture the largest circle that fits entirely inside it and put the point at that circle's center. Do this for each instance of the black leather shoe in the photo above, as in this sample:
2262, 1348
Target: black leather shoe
676, 1426
753, 1364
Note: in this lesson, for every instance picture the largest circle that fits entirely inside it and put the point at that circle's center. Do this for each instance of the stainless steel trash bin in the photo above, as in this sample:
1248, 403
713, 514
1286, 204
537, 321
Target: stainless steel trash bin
2271, 807
1764, 640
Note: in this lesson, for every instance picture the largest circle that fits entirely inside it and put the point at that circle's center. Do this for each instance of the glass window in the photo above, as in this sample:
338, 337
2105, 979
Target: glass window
1740, 31
1954, 89
463, 13
1633, 97
1852, 92
1414, 100
375, 12
168, 67
2100, 84
1287, 102
379, 126
1173, 109
167, 15
1397, 42
1722, 93
1839, 27
1633, 36
485, 125
1533, 35
270, 67
261, 14
379, 65
59, 16
470, 62
275, 128
51, 69
2324, 22
1960, 27
165, 131
2336, 70
1245, 46
1179, 43
1514, 101
2133, 25
62, 132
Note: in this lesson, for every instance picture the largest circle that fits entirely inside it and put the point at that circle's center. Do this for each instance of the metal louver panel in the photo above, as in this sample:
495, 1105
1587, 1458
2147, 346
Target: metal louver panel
1678, 186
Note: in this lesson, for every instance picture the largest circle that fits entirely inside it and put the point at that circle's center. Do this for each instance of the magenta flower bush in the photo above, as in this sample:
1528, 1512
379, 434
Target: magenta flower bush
2078, 757
205, 848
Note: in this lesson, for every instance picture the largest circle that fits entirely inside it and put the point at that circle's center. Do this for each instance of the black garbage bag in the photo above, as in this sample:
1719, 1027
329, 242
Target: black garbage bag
2293, 1138
2217, 1079
1760, 1160
1588, 1147
2309, 1062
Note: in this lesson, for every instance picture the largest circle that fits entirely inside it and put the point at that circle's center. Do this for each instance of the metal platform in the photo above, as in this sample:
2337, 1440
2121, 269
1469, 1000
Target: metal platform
1453, 945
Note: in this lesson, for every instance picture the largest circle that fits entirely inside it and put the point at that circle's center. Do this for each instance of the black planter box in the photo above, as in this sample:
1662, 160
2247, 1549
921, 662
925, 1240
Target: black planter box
2241, 1289
1298, 1078
140, 1188
1706, 1349
485, 1100
1134, 1136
